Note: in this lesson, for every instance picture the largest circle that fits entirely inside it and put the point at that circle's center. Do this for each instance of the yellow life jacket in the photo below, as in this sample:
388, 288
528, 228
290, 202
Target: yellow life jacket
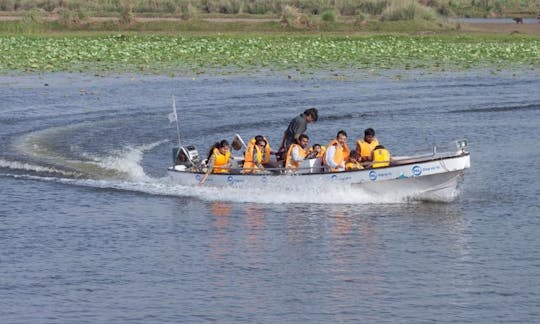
381, 158
221, 161
341, 154
364, 148
351, 166
293, 165
321, 153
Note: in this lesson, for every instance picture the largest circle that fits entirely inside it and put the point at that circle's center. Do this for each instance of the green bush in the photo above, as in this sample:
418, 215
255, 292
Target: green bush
7, 5
408, 10
329, 15
373, 7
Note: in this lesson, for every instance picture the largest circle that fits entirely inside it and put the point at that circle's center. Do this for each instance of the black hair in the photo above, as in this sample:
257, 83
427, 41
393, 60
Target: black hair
316, 144
217, 145
354, 154
341, 132
302, 136
313, 112
369, 131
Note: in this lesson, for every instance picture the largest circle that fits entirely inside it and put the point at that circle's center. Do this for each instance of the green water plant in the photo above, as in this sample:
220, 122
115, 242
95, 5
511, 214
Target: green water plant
152, 53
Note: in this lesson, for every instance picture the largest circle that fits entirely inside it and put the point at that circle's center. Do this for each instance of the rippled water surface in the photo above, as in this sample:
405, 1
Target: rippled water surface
92, 230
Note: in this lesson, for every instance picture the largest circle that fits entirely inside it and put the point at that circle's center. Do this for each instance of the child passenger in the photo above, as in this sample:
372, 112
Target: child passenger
353, 163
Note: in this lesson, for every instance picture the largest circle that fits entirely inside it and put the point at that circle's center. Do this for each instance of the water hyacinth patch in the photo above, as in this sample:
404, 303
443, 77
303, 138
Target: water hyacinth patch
177, 53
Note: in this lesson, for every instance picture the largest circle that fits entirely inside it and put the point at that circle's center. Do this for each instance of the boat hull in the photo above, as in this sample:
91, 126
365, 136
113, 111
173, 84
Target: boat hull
437, 177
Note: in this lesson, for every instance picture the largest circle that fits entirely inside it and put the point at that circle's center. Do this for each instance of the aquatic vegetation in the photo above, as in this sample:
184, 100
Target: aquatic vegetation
180, 53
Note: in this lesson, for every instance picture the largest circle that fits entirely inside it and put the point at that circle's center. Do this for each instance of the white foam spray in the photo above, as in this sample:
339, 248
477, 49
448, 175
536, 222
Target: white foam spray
128, 161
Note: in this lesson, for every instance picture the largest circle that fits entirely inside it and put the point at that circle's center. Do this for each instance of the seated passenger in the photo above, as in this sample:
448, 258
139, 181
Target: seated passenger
381, 157
296, 153
257, 154
367, 144
337, 152
218, 160
316, 151
353, 163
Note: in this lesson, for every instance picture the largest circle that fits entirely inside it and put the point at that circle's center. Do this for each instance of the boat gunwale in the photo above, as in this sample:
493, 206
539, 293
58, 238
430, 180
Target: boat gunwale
434, 159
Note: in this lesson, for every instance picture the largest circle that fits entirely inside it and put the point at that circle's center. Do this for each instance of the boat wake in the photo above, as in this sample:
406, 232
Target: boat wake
122, 170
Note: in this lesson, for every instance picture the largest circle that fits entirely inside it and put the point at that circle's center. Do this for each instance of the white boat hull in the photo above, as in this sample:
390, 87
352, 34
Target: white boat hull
434, 177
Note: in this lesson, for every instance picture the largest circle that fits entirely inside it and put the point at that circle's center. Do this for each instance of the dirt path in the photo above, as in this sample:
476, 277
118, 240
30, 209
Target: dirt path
502, 28
486, 28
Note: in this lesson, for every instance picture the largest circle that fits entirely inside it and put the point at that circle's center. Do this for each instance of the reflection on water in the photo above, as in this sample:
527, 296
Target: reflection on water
221, 244
255, 230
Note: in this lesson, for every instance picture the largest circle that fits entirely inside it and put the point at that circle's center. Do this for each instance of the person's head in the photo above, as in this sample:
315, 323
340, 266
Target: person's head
303, 140
369, 135
311, 114
223, 146
259, 138
341, 137
316, 148
354, 156
261, 143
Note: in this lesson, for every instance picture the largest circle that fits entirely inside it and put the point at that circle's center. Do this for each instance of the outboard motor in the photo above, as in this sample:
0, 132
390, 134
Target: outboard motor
186, 156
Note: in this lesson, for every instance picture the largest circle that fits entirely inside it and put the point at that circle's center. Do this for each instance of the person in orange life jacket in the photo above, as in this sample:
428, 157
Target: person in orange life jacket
297, 153
316, 151
367, 145
353, 163
257, 154
218, 160
297, 127
381, 157
337, 152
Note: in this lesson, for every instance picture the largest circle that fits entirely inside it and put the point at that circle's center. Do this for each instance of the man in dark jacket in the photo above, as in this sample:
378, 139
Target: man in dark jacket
297, 127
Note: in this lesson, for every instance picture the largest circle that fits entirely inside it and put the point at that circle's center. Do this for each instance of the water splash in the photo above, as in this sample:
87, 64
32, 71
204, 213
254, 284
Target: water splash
24, 166
128, 161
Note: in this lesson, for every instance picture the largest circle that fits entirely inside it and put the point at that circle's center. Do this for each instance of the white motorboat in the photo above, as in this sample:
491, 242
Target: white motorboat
432, 175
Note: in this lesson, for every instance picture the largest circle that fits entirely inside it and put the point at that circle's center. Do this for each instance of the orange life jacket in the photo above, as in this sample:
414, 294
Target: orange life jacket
381, 158
341, 154
221, 161
263, 157
321, 153
289, 163
364, 148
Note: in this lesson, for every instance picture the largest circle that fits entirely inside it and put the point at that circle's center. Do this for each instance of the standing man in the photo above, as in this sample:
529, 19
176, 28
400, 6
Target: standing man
337, 152
297, 127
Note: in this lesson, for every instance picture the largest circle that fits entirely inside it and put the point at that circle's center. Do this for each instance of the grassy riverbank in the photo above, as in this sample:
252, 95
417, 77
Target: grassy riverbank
189, 8
400, 34
172, 54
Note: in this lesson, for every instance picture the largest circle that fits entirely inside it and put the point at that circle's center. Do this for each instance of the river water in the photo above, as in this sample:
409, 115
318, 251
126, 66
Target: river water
92, 230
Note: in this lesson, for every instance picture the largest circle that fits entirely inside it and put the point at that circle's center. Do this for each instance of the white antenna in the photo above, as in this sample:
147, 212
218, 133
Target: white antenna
176, 119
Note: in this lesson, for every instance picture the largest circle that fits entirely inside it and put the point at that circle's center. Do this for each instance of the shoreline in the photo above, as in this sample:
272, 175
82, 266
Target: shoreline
52, 24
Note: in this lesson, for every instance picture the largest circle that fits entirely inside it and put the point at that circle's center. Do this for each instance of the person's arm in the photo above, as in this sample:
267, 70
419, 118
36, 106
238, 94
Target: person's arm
295, 156
210, 167
256, 160
299, 128
282, 145
329, 157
